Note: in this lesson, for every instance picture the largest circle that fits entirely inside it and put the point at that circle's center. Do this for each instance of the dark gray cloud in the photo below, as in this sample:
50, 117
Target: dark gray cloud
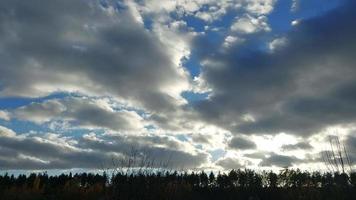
82, 112
79, 46
256, 155
279, 161
351, 142
350, 147
297, 146
241, 143
160, 150
300, 88
51, 151
201, 138
46, 152
230, 163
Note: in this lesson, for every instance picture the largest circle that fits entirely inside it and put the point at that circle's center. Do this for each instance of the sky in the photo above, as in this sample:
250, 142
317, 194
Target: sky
186, 84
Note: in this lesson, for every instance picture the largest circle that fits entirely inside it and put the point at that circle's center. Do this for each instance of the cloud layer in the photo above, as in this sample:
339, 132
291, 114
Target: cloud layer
52, 151
82, 46
300, 88
197, 84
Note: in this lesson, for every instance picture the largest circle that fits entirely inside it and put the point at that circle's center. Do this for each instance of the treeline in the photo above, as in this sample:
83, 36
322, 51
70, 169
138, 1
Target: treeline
170, 185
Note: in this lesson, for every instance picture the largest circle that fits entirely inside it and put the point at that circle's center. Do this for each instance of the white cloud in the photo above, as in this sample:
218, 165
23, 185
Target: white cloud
232, 41
294, 6
295, 22
5, 132
207, 10
248, 24
199, 85
260, 7
277, 43
4, 115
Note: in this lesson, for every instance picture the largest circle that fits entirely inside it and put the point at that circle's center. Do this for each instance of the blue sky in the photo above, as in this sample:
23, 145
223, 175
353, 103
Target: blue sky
213, 84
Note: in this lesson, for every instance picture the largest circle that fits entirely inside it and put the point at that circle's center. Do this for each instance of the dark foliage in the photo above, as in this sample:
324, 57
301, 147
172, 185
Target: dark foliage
237, 184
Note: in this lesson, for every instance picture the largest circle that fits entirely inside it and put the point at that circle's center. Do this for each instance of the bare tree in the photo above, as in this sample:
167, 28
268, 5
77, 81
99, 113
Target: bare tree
336, 158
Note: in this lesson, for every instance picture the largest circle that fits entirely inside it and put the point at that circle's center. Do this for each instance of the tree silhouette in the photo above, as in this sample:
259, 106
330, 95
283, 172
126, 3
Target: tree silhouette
235, 184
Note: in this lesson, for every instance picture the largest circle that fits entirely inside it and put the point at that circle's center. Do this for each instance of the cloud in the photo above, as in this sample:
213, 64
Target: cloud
295, 22
232, 40
103, 50
279, 161
297, 146
256, 155
4, 115
52, 151
82, 112
260, 7
301, 89
351, 142
229, 163
277, 43
241, 143
40, 112
208, 10
159, 149
295, 5
201, 138
122, 70
85, 47
6, 132
44, 153
350, 147
248, 24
